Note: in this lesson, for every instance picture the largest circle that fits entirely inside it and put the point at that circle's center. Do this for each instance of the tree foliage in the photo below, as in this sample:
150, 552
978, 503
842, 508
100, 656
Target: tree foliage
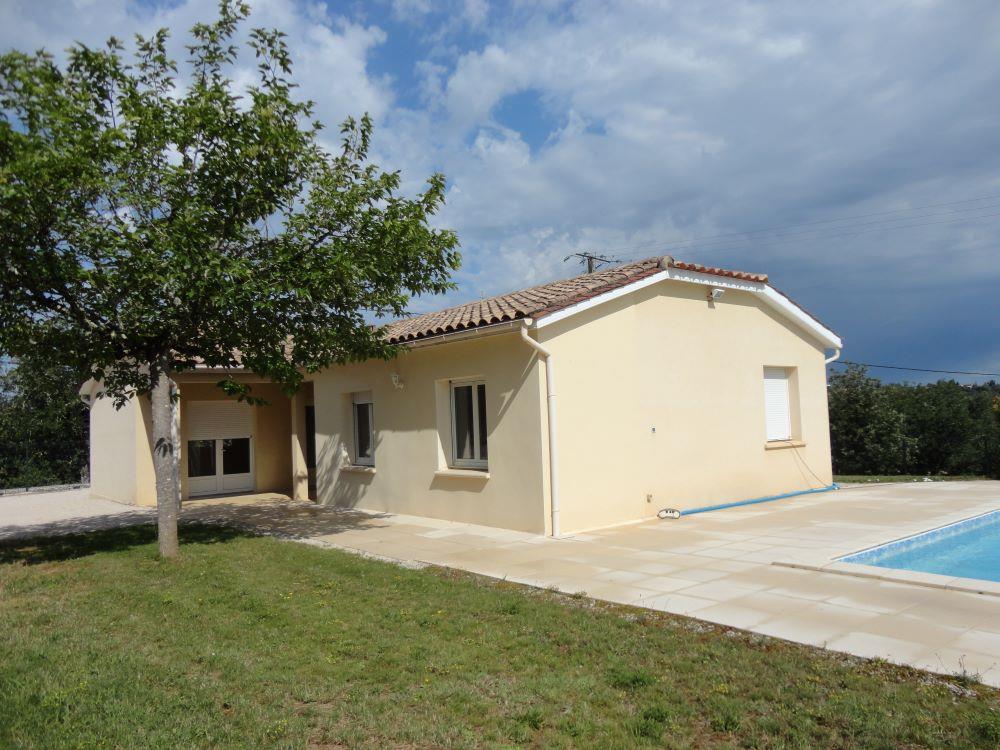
155, 217
867, 434
151, 222
43, 425
901, 428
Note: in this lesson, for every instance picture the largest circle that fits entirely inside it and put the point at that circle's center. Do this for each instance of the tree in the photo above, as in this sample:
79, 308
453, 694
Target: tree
43, 425
986, 420
153, 222
867, 434
954, 427
939, 419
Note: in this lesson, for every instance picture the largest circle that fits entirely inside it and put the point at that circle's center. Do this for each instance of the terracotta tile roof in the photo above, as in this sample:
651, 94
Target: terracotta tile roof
538, 301
744, 275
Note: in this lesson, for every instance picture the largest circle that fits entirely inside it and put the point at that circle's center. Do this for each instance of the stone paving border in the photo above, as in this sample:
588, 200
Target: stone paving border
911, 577
12, 491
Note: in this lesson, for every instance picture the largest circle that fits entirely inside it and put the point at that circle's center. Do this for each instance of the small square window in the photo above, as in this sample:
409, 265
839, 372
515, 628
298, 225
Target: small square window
364, 429
469, 428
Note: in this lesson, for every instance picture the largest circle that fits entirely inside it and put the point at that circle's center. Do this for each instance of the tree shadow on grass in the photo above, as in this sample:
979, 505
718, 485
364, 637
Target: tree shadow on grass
283, 518
43, 549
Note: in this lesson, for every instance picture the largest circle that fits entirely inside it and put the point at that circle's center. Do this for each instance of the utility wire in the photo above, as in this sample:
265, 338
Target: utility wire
782, 227
729, 245
877, 223
915, 369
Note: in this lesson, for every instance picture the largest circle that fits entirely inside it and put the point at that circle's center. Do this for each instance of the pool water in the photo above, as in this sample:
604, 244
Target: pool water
967, 549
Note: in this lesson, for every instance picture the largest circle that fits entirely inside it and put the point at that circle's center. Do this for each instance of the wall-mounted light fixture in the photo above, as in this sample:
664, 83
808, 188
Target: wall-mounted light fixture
715, 293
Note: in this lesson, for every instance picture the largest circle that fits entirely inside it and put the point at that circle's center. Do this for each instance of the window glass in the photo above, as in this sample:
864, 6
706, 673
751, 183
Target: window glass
469, 425
310, 437
201, 458
464, 434
481, 404
364, 433
236, 456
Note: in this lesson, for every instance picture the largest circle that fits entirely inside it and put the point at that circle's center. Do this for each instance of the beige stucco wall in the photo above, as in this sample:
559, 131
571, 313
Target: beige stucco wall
121, 458
409, 454
113, 436
665, 358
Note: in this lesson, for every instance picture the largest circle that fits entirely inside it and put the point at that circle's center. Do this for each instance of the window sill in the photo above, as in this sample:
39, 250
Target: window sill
777, 445
358, 469
463, 474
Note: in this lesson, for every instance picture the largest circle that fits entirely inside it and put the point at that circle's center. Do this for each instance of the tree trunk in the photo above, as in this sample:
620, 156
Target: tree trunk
166, 460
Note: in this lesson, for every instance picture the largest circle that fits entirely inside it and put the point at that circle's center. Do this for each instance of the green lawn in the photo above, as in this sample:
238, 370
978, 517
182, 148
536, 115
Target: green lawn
254, 642
883, 478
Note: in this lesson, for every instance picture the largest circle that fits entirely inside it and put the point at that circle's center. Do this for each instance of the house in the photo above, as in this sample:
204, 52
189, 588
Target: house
578, 404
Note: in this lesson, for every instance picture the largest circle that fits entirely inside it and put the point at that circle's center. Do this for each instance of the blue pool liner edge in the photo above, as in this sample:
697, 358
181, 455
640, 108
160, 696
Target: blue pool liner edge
865, 556
757, 500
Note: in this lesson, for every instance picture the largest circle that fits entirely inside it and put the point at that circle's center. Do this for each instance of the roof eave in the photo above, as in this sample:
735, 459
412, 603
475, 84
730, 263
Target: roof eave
473, 332
773, 298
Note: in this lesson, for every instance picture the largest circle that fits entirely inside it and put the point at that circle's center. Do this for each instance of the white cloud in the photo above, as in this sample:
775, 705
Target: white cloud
330, 52
661, 123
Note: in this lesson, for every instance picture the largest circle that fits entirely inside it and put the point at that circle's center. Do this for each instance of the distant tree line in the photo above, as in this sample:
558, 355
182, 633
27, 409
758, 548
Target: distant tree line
43, 425
942, 428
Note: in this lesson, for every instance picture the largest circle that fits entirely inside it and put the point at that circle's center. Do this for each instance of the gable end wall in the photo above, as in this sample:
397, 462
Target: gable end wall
661, 397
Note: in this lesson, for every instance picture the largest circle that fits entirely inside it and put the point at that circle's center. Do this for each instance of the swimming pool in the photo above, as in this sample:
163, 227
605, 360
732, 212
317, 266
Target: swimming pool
967, 549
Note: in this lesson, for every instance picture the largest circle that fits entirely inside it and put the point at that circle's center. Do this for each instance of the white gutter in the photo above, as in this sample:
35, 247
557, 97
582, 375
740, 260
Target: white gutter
469, 333
834, 357
550, 389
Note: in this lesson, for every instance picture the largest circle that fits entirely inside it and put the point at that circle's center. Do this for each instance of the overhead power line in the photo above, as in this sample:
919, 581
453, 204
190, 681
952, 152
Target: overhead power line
780, 227
916, 369
730, 245
897, 215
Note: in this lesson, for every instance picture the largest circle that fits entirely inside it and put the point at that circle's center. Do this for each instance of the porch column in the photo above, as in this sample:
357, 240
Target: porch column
300, 473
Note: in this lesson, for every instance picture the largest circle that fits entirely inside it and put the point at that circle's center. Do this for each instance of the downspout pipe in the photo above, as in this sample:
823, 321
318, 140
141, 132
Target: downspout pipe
550, 390
833, 357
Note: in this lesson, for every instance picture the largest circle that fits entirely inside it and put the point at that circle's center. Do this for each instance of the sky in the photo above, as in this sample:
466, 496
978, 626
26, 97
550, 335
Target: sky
851, 150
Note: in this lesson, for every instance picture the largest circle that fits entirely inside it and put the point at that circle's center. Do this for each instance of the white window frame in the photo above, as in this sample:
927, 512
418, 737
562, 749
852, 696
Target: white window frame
771, 375
467, 463
363, 399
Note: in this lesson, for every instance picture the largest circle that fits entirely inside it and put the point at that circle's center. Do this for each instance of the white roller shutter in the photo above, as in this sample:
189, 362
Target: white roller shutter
777, 410
208, 420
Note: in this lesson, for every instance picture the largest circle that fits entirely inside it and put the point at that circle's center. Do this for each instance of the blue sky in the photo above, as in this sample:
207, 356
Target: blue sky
867, 134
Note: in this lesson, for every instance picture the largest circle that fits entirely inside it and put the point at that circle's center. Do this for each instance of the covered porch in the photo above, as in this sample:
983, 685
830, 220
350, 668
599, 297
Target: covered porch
227, 447
230, 447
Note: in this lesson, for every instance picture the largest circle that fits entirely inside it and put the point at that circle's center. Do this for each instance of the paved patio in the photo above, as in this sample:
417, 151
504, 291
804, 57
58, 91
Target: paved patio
730, 567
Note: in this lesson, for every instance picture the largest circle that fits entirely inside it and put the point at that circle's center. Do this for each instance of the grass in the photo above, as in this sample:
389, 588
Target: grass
254, 642
883, 478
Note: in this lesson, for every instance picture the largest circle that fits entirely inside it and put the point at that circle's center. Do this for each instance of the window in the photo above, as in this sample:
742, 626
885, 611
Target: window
777, 405
364, 429
468, 422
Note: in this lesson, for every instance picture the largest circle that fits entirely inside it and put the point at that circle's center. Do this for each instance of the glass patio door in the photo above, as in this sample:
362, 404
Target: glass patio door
219, 448
217, 466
